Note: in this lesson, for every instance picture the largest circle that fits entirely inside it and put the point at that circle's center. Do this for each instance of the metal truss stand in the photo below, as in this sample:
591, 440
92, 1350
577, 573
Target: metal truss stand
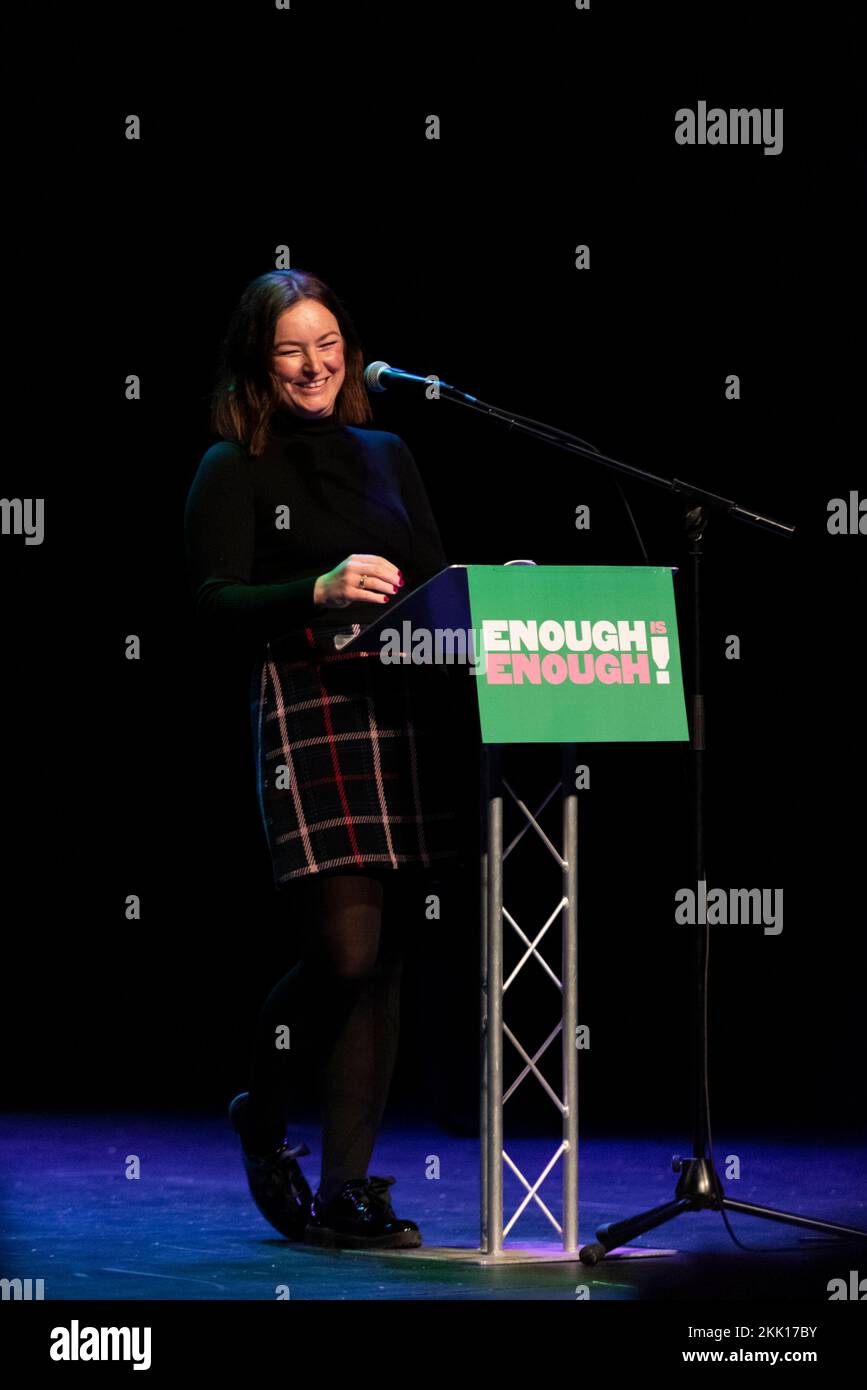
491, 1250
494, 1028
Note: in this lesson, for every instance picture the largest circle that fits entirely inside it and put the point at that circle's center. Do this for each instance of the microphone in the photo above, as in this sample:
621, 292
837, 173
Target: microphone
378, 375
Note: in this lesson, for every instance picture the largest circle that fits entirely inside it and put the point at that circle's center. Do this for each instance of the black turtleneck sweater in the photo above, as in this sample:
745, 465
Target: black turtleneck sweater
259, 531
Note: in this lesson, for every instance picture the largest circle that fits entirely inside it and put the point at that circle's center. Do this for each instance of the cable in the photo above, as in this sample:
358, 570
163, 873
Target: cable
550, 435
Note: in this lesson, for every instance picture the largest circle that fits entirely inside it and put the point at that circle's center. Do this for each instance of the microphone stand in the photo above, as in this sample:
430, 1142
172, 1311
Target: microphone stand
699, 1187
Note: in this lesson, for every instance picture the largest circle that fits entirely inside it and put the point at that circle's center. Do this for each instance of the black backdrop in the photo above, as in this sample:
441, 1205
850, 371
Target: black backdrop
457, 257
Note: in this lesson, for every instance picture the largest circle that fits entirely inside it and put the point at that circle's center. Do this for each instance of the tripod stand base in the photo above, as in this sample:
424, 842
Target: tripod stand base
699, 1189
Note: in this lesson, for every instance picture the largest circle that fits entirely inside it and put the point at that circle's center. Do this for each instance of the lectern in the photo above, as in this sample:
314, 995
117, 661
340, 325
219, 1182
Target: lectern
562, 655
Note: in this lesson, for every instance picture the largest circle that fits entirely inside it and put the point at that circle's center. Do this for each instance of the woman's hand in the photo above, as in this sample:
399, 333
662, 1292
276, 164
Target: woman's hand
342, 585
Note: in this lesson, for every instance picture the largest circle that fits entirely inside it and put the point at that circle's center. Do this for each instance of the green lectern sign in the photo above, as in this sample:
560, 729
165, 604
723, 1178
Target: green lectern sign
576, 654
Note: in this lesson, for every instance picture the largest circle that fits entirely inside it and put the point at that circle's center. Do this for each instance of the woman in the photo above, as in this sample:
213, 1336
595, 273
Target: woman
299, 527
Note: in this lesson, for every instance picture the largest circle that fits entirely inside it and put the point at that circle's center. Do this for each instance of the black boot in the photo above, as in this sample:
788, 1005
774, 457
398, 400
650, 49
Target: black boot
360, 1217
277, 1184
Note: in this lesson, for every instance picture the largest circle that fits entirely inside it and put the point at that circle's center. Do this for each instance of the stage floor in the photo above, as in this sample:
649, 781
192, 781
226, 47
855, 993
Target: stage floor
186, 1228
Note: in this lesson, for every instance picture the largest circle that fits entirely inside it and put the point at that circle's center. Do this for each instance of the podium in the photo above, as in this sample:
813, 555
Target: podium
562, 655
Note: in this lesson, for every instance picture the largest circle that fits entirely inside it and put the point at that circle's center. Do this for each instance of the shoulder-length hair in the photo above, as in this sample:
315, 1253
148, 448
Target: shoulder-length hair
246, 393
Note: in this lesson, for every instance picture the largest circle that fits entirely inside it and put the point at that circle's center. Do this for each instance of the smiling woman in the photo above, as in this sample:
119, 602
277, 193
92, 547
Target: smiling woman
308, 358
355, 779
290, 343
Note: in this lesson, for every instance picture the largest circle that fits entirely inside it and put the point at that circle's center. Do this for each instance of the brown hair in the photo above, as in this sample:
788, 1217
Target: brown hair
246, 394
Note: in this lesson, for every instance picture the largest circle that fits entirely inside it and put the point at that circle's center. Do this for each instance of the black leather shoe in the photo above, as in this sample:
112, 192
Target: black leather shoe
360, 1217
277, 1184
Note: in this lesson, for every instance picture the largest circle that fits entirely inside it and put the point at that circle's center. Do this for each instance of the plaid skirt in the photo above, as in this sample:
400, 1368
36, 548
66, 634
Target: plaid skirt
351, 757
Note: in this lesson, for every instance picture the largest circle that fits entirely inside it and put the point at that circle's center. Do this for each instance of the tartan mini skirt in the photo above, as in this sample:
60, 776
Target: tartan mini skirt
351, 758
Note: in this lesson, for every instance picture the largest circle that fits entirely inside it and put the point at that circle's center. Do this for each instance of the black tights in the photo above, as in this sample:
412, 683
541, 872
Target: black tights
340, 1005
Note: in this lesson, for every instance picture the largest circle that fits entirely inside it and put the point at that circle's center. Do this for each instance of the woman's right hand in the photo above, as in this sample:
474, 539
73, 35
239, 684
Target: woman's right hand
342, 585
